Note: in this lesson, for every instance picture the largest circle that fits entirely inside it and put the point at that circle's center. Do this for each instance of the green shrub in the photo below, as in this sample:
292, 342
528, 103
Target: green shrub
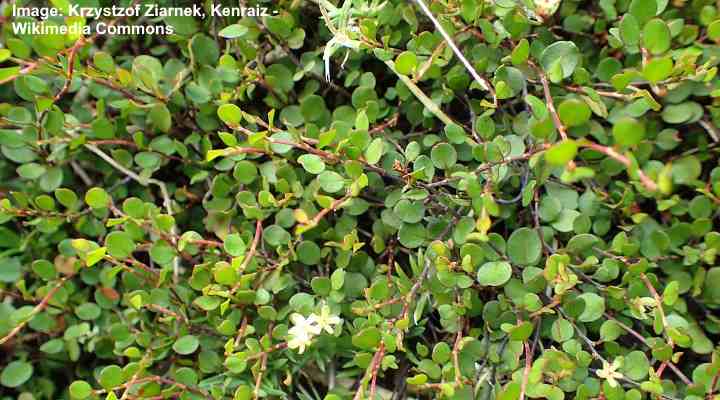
463, 199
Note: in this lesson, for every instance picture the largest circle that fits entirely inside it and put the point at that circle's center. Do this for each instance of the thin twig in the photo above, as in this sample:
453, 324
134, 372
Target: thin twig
251, 253
610, 152
711, 129
71, 69
658, 300
28, 69
528, 366
375, 368
456, 358
413, 290
550, 103
253, 247
420, 95
258, 379
112, 85
482, 81
279, 346
35, 311
81, 173
145, 182
390, 122
526, 370
167, 311
316, 220
644, 341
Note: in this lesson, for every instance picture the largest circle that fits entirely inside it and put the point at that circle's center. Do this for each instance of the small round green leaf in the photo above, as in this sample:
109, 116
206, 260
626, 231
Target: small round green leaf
111, 376
443, 155
234, 245
412, 235
573, 112
80, 390
186, 345
636, 365
88, 311
331, 181
594, 307
628, 131
405, 62
563, 56
410, 211
97, 198
233, 31
275, 235
312, 163
524, 247
308, 252
229, 114
119, 244
561, 153
643, 10
374, 151
367, 338
656, 36
658, 69
494, 273
16, 373
713, 30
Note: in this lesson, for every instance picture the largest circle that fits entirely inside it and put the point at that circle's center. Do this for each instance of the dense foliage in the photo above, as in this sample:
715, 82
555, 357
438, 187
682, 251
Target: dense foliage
462, 199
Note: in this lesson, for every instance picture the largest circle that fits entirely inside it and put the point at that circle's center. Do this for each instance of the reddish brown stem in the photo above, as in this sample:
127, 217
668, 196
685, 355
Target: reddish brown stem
323, 154
253, 246
276, 347
166, 311
375, 368
112, 85
245, 150
121, 142
38, 309
251, 253
549, 100
335, 204
526, 371
23, 71
392, 121
71, 69
610, 152
258, 378
208, 243
658, 300
456, 358
644, 341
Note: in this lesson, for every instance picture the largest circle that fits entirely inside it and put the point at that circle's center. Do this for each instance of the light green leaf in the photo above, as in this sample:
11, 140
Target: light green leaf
494, 273
561, 153
16, 373
374, 151
562, 56
233, 31
524, 247
186, 345
230, 114
312, 163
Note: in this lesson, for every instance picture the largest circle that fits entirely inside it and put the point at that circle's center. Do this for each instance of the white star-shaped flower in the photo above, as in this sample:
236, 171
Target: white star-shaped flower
299, 339
302, 332
609, 372
325, 320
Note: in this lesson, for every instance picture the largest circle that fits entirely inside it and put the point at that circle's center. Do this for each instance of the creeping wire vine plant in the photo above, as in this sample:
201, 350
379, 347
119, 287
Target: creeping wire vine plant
358, 199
